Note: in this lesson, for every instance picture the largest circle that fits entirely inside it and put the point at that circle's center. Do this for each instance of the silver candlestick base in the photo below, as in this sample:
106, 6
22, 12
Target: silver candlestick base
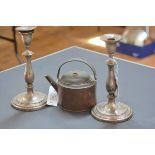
30, 100
25, 103
111, 111
103, 112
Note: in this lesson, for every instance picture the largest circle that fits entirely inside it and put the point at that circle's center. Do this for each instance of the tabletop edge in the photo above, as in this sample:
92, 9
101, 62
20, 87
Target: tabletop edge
74, 46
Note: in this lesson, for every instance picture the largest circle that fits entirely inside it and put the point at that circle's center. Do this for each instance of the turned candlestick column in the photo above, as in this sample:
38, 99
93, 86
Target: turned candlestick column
111, 85
111, 111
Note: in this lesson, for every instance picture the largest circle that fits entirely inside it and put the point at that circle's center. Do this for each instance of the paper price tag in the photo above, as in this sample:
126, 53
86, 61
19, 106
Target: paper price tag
52, 98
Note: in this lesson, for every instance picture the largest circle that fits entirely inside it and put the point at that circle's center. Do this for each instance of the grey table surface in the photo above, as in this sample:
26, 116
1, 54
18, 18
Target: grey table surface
136, 83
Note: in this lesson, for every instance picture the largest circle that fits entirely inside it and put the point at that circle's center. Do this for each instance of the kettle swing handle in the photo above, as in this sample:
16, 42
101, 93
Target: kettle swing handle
79, 60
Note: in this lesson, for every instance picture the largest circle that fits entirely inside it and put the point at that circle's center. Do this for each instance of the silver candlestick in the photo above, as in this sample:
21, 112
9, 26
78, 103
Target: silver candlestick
30, 100
111, 111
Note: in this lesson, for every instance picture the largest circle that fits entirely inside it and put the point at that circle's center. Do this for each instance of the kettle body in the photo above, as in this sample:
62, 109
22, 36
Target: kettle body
76, 89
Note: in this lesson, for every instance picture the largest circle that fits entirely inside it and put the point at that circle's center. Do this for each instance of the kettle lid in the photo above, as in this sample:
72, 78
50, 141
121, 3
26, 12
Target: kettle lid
75, 78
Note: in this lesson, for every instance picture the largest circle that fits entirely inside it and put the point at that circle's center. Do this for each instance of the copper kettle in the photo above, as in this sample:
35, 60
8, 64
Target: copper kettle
76, 89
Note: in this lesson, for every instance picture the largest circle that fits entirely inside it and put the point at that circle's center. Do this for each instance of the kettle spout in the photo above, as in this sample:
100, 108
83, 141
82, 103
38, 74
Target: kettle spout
52, 82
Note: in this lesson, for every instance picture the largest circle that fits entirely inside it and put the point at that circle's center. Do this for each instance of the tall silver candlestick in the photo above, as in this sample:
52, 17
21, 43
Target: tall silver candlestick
30, 100
111, 111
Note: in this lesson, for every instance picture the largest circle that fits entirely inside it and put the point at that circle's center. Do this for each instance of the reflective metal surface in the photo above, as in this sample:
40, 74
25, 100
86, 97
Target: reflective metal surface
30, 100
29, 103
76, 89
111, 111
103, 112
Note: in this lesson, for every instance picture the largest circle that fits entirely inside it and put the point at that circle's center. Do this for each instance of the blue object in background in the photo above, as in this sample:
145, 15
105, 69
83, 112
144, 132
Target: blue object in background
136, 51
